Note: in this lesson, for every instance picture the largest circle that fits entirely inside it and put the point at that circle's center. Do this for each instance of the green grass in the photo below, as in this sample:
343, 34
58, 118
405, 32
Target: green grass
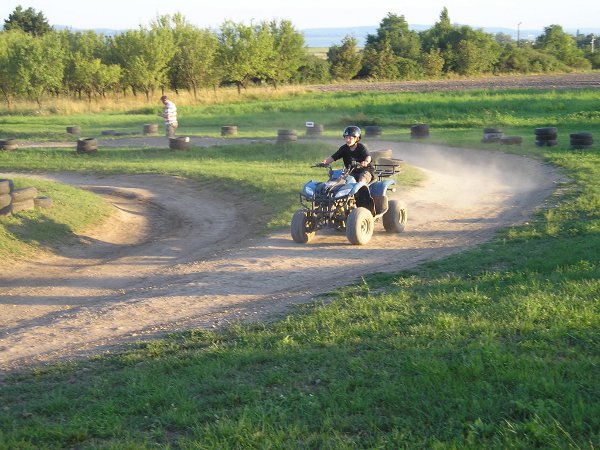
73, 210
497, 347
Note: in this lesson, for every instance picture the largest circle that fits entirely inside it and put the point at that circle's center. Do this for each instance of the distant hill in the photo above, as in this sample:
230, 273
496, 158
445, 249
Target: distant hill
326, 37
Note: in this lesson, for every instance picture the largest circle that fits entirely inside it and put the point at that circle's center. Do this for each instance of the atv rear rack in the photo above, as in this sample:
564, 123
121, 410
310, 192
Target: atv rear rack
387, 167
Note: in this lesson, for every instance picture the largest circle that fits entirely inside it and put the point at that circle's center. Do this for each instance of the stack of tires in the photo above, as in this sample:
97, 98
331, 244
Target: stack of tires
511, 140
87, 145
491, 135
286, 136
73, 130
581, 141
150, 129
546, 136
373, 131
8, 144
229, 130
419, 131
14, 200
315, 130
179, 143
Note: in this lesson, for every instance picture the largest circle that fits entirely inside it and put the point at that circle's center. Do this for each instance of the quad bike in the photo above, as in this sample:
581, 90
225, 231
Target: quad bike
343, 203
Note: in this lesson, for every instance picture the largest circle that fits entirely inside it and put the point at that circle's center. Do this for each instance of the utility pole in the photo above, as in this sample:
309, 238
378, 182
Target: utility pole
519, 34
592, 42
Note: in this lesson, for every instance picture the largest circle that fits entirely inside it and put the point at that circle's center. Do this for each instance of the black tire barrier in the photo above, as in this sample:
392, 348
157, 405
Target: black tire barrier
419, 131
492, 135
581, 141
373, 131
546, 143
20, 195
511, 140
6, 186
150, 129
179, 143
73, 130
315, 130
87, 145
286, 136
8, 144
546, 131
229, 130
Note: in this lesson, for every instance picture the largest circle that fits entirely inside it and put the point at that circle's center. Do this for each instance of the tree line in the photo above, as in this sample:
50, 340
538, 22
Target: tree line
172, 54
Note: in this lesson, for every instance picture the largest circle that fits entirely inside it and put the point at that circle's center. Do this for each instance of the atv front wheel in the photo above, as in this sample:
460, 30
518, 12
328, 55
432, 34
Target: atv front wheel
359, 226
300, 227
394, 220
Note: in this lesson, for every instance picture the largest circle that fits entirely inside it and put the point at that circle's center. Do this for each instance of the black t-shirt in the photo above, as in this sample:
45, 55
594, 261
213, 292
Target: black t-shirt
348, 155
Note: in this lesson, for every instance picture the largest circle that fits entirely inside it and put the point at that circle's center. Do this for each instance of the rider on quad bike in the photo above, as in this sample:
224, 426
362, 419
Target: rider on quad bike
354, 151
352, 198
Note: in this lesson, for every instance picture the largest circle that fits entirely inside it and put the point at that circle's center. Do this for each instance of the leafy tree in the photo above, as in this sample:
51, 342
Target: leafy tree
38, 65
193, 64
30, 21
243, 52
9, 81
476, 52
312, 70
561, 45
379, 62
394, 30
344, 60
432, 63
288, 53
144, 57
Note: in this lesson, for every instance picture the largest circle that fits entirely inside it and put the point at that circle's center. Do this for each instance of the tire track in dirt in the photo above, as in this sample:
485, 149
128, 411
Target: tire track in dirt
176, 258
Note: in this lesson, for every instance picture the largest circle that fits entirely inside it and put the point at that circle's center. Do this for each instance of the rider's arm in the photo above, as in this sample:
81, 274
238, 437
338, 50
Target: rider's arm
328, 160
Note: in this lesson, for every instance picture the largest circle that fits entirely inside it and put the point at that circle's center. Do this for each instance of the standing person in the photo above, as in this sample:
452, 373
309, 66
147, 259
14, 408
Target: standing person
354, 150
170, 116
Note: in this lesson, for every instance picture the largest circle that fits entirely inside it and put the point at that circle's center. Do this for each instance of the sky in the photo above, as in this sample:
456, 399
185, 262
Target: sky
306, 14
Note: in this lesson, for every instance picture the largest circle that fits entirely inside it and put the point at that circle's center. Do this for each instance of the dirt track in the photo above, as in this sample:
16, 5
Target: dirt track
173, 256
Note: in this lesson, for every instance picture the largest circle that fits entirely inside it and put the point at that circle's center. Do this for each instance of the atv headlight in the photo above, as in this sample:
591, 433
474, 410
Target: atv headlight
343, 192
309, 192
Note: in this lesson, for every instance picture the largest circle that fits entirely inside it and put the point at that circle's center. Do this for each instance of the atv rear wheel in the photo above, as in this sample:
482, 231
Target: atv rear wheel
359, 226
300, 227
394, 220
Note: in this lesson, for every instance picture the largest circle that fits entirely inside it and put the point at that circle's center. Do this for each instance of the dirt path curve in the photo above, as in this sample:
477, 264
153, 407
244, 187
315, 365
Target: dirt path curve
176, 255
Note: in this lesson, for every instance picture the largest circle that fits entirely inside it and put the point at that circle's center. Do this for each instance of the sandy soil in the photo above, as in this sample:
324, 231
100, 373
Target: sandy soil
177, 255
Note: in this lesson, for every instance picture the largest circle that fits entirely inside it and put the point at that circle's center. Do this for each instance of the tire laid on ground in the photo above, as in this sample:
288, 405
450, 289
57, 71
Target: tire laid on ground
546, 143
284, 136
419, 131
20, 195
5, 200
8, 144
42, 202
359, 226
315, 130
394, 220
23, 205
87, 145
179, 143
511, 140
229, 130
74, 130
491, 135
376, 154
373, 131
299, 228
6, 186
150, 129
109, 133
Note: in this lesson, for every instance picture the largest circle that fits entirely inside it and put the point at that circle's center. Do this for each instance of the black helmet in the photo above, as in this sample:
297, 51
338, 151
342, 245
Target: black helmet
352, 130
